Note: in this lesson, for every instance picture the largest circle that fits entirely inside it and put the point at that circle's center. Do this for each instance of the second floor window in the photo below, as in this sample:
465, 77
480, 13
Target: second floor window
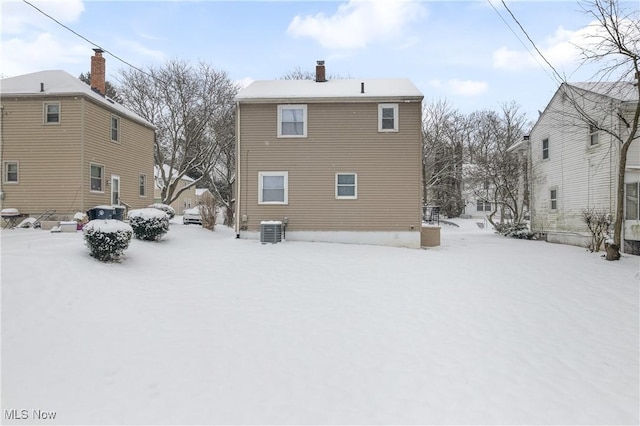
52, 113
483, 206
292, 121
115, 128
593, 135
545, 148
388, 117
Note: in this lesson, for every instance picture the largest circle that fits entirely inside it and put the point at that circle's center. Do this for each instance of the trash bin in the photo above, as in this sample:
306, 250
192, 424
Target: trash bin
100, 212
118, 212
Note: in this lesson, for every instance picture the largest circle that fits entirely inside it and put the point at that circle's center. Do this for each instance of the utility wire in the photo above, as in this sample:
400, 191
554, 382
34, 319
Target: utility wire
558, 75
89, 41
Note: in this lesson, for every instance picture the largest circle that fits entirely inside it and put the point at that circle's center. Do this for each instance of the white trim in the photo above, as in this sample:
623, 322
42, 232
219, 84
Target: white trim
45, 113
355, 187
382, 107
115, 178
102, 181
119, 129
303, 107
286, 187
5, 172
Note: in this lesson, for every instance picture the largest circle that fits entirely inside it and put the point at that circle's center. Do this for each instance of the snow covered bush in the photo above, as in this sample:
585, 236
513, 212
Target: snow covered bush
208, 212
107, 239
598, 221
515, 230
149, 224
165, 208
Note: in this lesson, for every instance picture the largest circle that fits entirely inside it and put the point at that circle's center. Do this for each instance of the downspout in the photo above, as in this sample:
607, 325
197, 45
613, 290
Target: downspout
2, 154
83, 208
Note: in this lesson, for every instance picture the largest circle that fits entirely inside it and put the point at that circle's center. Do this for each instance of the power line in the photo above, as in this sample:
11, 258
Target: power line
535, 58
560, 77
87, 40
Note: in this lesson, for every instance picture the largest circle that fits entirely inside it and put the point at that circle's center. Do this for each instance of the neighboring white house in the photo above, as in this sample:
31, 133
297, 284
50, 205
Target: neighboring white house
186, 200
574, 166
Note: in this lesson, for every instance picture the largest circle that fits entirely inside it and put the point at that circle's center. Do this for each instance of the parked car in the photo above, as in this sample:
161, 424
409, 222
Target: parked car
192, 215
165, 208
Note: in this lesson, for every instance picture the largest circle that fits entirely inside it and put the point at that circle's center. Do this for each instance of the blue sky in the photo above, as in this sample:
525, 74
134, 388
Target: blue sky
461, 51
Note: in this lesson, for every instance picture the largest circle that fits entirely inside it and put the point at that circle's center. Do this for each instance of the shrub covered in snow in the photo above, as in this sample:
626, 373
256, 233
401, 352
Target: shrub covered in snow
107, 239
165, 208
149, 224
515, 230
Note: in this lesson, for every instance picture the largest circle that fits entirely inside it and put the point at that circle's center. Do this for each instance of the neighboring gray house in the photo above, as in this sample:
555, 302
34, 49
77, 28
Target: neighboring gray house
574, 166
336, 161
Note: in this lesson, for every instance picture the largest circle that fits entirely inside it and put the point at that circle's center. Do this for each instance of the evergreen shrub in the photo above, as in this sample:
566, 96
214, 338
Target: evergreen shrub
149, 224
107, 239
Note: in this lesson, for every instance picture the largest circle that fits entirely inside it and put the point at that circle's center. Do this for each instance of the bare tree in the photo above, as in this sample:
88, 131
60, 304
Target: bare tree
444, 131
299, 74
615, 47
111, 91
493, 173
191, 106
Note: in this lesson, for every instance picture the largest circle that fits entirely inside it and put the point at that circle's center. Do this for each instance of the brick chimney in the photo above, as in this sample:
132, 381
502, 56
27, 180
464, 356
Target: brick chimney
320, 72
98, 82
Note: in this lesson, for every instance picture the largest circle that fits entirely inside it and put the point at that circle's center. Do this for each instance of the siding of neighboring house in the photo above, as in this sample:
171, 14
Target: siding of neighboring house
54, 159
583, 176
185, 200
341, 138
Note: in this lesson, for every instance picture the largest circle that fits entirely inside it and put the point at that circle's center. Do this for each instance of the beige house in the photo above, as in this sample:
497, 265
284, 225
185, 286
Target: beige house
185, 200
335, 161
67, 147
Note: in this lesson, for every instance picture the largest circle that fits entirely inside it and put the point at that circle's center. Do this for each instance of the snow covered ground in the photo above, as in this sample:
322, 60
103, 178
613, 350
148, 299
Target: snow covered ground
203, 328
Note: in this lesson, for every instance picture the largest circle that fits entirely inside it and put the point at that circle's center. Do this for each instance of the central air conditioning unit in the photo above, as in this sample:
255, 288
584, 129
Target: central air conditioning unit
270, 231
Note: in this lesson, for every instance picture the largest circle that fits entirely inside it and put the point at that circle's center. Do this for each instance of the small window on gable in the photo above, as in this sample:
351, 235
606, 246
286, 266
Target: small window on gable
593, 135
545, 148
553, 198
96, 178
273, 187
52, 112
346, 186
387, 117
115, 128
292, 121
143, 186
10, 171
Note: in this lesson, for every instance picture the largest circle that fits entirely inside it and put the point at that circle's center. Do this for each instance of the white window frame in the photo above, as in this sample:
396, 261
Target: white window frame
142, 185
117, 129
545, 151
261, 175
281, 108
553, 200
481, 205
635, 200
381, 108
594, 135
355, 186
45, 117
101, 190
5, 168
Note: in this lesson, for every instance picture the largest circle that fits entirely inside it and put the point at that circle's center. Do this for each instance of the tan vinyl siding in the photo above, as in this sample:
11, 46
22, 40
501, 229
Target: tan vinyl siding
342, 138
54, 158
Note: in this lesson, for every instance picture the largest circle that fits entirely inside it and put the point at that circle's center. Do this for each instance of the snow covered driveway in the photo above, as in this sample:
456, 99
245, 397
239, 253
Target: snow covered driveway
202, 328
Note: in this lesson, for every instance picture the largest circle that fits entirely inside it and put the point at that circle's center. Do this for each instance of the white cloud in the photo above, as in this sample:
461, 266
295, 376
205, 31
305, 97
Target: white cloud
454, 86
561, 49
20, 56
358, 23
18, 16
139, 49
